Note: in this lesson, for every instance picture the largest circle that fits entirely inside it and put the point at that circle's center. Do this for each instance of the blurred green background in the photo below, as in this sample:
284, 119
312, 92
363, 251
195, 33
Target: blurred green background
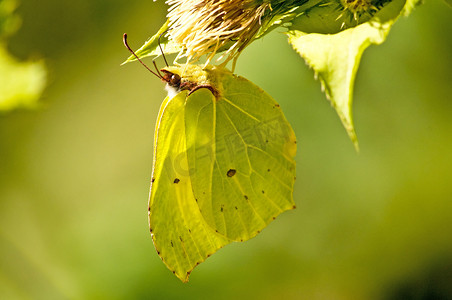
74, 174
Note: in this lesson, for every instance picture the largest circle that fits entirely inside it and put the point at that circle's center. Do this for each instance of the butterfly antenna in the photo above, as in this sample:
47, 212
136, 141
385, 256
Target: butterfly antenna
157, 69
124, 39
160, 46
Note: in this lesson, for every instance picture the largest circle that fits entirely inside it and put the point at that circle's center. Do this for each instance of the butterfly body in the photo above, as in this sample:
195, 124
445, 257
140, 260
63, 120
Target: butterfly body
175, 83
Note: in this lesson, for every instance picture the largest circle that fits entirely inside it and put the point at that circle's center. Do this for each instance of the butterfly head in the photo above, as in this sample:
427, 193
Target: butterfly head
172, 79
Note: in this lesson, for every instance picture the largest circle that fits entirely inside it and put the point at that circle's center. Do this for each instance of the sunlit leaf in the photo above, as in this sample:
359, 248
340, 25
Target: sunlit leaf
334, 54
21, 83
151, 46
223, 167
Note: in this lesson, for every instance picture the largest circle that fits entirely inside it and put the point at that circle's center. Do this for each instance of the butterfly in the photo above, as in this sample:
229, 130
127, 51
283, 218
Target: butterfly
223, 165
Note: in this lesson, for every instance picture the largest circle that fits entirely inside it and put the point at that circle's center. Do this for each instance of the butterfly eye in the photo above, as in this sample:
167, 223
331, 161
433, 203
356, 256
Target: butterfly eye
175, 80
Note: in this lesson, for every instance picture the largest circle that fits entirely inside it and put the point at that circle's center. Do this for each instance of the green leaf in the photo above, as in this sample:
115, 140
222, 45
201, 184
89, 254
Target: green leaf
21, 83
151, 46
335, 57
223, 167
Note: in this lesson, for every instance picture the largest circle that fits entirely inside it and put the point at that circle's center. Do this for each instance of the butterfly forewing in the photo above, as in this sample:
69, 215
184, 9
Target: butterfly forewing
181, 236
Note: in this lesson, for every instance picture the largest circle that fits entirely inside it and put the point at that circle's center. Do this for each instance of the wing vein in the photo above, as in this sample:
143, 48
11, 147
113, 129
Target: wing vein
214, 151
266, 153
178, 197
224, 219
241, 110
238, 133
276, 177
249, 203
268, 198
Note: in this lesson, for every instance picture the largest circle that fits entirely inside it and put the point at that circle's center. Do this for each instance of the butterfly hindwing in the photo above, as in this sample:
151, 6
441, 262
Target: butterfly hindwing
240, 151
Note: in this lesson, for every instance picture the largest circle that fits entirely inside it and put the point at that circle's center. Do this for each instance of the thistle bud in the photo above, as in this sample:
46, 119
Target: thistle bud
209, 26
359, 8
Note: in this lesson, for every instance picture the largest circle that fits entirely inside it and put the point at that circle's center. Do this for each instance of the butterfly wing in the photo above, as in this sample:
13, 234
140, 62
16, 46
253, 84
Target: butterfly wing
240, 151
181, 235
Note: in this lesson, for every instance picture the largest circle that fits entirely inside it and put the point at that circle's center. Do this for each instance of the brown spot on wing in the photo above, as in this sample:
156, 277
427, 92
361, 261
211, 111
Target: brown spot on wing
231, 172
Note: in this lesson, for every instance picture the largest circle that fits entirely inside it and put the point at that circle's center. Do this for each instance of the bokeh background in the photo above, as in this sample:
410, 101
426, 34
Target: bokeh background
74, 174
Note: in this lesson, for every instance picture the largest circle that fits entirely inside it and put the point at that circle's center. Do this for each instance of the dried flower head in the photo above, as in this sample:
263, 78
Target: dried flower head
361, 8
205, 26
